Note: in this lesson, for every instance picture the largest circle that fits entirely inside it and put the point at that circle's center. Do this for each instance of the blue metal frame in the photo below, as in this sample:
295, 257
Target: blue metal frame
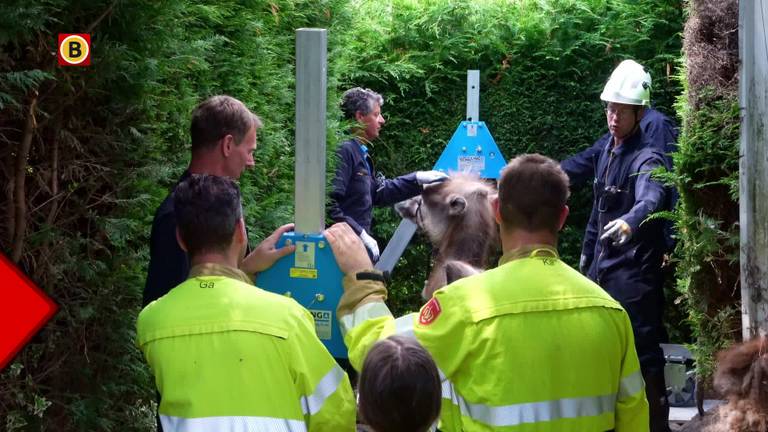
472, 149
311, 277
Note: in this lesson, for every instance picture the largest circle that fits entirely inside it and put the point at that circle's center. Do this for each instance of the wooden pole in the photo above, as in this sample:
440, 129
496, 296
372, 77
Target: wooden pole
753, 167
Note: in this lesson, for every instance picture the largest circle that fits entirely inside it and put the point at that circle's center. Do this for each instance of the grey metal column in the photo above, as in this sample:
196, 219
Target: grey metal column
311, 83
473, 95
753, 167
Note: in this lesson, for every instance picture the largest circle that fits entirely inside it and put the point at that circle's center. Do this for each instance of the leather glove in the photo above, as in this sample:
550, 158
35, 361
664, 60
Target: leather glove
618, 231
427, 177
370, 244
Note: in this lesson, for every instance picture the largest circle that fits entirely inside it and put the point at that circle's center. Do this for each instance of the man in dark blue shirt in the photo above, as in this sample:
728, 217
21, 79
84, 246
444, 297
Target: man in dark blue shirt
623, 251
660, 131
223, 133
357, 187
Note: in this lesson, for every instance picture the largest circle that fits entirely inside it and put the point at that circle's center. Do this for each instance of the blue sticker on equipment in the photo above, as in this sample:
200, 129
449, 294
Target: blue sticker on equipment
472, 149
310, 276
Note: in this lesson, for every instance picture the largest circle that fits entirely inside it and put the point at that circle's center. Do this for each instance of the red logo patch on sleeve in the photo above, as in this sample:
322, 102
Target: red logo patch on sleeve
429, 312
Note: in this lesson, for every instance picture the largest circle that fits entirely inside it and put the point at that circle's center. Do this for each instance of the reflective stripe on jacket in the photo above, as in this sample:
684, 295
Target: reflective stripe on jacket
229, 356
529, 346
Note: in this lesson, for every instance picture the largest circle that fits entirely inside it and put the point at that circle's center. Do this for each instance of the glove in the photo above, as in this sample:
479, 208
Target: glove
427, 177
370, 244
618, 231
583, 264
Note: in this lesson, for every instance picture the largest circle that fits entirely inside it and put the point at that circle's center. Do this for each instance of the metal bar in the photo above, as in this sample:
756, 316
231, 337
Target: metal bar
753, 167
396, 246
473, 95
311, 83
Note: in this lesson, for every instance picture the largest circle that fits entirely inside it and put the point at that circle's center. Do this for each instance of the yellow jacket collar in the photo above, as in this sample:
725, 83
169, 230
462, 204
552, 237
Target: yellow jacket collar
529, 251
211, 269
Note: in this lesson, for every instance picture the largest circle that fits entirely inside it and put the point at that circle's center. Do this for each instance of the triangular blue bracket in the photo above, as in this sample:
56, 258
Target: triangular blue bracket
472, 149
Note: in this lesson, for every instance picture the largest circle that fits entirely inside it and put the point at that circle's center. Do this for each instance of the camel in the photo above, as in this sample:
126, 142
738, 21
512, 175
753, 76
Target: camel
457, 217
742, 377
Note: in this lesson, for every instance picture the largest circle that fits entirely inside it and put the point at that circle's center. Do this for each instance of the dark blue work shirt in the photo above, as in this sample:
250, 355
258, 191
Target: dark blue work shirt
357, 187
168, 263
624, 189
660, 132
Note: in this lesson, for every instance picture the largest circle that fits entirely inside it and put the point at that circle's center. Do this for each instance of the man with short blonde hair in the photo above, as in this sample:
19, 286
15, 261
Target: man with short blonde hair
223, 132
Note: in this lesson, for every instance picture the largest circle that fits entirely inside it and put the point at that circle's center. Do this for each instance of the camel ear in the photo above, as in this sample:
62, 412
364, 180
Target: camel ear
456, 204
455, 270
407, 209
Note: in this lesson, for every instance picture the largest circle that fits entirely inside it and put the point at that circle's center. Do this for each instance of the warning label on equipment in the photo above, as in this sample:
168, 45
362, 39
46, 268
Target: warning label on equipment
471, 130
322, 323
305, 254
474, 164
303, 273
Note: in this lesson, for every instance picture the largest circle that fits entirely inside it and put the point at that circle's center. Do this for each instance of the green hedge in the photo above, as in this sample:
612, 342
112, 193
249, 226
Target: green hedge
120, 130
707, 177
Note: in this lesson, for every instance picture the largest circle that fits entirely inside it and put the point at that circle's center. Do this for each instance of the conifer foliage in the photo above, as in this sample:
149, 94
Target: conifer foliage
707, 176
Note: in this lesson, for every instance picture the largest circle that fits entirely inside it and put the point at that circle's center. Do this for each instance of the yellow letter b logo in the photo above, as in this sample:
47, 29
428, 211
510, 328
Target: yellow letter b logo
74, 49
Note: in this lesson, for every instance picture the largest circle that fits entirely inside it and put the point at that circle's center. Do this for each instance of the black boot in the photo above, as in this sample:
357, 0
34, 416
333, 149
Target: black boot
658, 407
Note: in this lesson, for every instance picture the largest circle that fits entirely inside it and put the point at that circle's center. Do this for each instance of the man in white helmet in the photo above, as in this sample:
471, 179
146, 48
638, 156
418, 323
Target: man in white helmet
660, 132
622, 251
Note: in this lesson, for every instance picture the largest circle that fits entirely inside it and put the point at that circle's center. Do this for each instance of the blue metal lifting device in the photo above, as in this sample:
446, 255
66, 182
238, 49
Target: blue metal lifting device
310, 275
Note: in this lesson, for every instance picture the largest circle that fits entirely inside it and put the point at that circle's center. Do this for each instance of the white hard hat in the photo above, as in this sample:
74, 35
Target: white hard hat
629, 84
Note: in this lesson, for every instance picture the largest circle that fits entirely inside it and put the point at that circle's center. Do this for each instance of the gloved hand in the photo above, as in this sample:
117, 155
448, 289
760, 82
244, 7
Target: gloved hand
370, 244
617, 230
583, 264
427, 177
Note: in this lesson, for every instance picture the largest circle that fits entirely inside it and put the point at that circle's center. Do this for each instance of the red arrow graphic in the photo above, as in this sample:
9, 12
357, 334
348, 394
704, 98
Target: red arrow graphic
24, 309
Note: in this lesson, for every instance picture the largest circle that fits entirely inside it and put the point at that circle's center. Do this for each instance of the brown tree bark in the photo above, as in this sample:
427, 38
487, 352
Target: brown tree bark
54, 204
19, 193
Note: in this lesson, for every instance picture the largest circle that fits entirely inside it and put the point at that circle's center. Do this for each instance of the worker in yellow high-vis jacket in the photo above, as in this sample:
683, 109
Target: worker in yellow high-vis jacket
529, 346
228, 356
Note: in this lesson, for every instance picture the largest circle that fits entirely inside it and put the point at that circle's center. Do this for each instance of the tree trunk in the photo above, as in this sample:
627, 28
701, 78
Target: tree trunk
20, 199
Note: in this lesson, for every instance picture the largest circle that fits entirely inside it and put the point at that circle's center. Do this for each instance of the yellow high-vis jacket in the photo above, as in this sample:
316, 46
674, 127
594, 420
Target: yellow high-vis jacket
229, 356
529, 346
